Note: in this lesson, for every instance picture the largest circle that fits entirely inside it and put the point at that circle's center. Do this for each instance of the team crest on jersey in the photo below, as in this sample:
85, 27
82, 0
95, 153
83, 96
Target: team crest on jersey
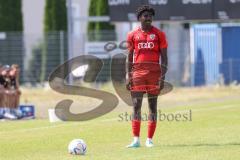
137, 37
152, 36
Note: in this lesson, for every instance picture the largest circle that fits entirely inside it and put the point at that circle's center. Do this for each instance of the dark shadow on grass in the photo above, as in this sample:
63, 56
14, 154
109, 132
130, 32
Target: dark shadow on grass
201, 145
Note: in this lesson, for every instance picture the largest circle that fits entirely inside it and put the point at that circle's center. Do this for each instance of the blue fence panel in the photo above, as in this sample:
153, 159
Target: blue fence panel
205, 69
230, 68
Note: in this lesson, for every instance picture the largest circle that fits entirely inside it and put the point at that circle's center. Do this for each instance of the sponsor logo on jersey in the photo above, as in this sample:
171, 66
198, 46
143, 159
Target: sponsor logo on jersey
147, 45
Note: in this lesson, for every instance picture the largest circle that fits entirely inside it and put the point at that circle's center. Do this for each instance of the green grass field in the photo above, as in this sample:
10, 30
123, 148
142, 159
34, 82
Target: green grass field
213, 133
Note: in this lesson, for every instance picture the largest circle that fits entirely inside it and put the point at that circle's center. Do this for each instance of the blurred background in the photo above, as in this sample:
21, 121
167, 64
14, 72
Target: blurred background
40, 35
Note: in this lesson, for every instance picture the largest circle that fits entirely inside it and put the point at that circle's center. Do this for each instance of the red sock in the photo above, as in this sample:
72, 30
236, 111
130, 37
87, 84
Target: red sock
136, 127
151, 128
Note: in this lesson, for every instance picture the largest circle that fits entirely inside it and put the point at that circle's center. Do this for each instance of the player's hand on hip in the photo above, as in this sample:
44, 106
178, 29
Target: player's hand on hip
161, 83
128, 84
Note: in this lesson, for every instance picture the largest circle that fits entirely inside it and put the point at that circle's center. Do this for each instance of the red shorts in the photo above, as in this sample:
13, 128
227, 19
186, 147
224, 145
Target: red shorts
146, 81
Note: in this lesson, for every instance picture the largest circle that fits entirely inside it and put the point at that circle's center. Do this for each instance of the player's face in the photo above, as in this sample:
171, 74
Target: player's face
146, 18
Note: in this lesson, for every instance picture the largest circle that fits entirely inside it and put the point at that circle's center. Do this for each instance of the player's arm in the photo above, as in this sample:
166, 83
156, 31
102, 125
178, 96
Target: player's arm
129, 64
164, 62
129, 61
164, 57
164, 66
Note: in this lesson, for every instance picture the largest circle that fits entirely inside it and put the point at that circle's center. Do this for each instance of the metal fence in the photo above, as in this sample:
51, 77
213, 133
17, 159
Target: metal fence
39, 55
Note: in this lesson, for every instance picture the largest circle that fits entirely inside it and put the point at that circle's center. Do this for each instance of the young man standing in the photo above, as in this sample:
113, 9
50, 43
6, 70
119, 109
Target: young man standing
146, 68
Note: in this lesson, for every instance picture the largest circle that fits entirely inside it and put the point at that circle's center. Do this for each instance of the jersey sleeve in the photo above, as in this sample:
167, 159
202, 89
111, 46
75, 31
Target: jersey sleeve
130, 44
162, 40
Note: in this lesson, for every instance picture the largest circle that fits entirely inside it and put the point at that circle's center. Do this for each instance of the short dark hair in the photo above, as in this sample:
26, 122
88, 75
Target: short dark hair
144, 8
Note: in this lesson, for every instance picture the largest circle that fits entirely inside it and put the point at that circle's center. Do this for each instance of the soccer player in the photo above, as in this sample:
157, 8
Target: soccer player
146, 68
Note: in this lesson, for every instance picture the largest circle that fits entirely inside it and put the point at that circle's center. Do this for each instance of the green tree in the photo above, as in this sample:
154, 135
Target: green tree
55, 27
11, 23
103, 10
92, 25
11, 15
55, 17
100, 31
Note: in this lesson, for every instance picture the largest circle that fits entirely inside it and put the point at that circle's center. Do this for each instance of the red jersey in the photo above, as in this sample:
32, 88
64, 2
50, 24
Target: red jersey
146, 45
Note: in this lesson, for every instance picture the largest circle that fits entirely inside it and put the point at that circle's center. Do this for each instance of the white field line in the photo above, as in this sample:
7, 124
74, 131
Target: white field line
57, 126
111, 120
210, 109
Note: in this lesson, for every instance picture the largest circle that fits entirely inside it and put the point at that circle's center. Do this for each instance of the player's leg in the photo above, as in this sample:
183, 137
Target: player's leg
153, 92
136, 118
152, 118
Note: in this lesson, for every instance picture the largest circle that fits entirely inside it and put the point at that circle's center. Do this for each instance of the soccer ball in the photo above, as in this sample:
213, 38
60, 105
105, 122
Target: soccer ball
77, 147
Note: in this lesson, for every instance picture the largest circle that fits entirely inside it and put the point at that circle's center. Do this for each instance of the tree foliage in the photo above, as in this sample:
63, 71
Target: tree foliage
100, 31
11, 15
55, 17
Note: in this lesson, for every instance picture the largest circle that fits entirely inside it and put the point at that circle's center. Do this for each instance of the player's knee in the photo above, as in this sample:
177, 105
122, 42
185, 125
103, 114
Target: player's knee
152, 117
137, 102
137, 111
153, 106
137, 108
